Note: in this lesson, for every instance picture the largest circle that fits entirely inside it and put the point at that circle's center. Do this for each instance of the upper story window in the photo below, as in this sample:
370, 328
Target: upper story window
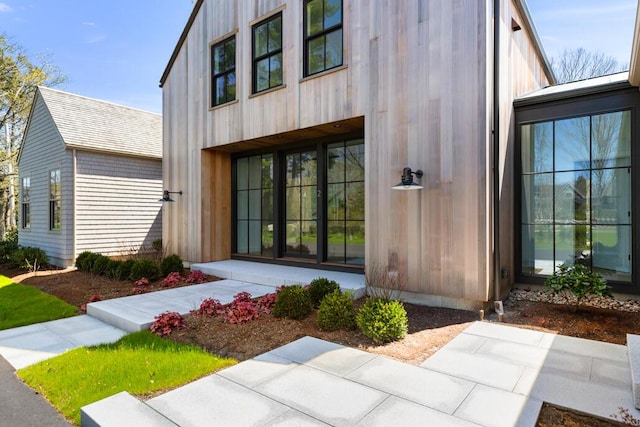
223, 70
322, 35
26, 202
267, 53
55, 200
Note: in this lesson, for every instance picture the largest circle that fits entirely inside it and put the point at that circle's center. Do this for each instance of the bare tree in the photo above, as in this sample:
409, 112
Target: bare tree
580, 64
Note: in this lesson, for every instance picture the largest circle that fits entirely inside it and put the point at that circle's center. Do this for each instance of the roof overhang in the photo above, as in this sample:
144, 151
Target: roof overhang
183, 37
523, 10
634, 63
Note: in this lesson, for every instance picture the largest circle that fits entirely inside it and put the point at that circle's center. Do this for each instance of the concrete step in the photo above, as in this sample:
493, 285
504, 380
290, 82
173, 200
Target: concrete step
122, 409
278, 275
633, 347
137, 312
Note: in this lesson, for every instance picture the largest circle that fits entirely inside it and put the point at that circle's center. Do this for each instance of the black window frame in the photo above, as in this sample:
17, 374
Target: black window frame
55, 199
279, 253
308, 38
26, 202
593, 102
268, 55
223, 74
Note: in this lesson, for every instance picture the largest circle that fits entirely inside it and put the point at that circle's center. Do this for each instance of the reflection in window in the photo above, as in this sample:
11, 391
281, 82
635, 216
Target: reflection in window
301, 203
576, 195
322, 36
55, 200
223, 65
254, 205
267, 54
26, 202
345, 202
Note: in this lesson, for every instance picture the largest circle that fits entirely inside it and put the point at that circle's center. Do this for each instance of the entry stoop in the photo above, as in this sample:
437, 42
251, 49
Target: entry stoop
633, 347
278, 275
122, 409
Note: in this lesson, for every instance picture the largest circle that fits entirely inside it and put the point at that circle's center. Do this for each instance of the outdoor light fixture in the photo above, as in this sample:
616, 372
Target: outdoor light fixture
407, 180
166, 195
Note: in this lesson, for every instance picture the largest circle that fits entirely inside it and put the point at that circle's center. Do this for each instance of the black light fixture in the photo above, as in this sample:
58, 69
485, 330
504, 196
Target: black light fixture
407, 180
166, 195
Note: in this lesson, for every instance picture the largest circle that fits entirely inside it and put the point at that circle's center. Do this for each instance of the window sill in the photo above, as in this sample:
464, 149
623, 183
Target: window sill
226, 104
273, 89
324, 73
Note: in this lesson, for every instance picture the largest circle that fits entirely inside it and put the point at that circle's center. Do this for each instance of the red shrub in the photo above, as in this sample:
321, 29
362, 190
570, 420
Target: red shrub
95, 298
242, 311
172, 280
210, 307
196, 276
266, 303
141, 282
166, 323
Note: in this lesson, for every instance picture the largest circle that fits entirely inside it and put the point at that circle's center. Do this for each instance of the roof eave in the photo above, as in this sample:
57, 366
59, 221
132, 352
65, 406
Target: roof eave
521, 5
113, 152
634, 63
592, 90
183, 37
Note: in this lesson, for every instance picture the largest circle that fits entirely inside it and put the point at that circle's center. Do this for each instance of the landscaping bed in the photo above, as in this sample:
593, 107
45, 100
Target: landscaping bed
429, 328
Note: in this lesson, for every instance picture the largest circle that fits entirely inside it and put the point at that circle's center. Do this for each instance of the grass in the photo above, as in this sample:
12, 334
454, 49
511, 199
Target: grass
25, 305
139, 363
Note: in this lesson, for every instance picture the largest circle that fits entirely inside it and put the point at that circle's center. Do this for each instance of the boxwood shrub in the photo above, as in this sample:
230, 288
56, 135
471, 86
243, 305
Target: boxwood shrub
145, 268
171, 264
320, 287
336, 312
292, 302
383, 320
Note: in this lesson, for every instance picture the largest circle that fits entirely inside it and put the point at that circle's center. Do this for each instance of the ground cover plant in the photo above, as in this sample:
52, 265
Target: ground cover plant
577, 280
24, 305
140, 363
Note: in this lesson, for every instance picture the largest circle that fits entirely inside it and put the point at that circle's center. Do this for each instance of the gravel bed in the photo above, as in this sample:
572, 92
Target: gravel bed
629, 305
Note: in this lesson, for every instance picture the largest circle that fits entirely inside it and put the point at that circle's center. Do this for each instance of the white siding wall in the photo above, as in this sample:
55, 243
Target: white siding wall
43, 150
117, 207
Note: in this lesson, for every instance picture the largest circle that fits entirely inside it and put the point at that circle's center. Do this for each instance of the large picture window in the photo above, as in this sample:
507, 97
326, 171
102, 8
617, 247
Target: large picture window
302, 204
576, 195
223, 66
322, 35
55, 200
25, 192
267, 54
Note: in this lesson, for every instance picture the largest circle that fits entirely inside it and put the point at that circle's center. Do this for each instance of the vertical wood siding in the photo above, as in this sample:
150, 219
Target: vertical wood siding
418, 71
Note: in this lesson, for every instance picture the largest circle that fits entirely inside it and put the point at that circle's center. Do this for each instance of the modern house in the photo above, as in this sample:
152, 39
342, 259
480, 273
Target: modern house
288, 122
90, 176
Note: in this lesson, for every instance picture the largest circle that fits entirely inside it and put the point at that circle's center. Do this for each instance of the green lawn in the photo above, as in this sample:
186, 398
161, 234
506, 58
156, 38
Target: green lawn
138, 363
24, 305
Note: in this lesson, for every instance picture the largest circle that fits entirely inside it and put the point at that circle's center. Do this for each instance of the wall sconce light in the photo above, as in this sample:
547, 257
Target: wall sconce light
407, 180
166, 195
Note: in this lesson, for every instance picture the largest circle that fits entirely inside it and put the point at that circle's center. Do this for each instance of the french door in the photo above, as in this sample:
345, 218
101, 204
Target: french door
303, 204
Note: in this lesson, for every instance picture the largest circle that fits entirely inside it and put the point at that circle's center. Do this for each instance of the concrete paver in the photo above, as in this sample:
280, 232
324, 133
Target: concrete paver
490, 375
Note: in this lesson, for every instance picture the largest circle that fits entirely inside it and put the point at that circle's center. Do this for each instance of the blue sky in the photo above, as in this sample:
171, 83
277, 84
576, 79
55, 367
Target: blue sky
116, 50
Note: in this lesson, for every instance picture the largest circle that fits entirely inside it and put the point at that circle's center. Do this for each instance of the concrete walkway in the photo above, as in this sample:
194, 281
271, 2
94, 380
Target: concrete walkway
490, 375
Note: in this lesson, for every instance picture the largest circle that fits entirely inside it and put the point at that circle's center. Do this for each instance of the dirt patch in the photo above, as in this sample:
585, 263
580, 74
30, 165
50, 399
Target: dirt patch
430, 328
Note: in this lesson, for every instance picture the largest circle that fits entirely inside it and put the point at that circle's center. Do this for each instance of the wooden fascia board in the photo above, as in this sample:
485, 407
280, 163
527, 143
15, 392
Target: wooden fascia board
634, 63
181, 40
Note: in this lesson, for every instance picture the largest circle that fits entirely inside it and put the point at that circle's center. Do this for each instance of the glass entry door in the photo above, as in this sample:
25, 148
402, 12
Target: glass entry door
301, 204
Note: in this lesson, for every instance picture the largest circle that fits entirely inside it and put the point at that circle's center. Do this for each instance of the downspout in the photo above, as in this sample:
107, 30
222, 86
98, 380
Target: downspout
73, 201
496, 149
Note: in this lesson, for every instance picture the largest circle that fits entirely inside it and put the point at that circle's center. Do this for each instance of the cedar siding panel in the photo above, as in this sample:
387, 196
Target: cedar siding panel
117, 203
417, 74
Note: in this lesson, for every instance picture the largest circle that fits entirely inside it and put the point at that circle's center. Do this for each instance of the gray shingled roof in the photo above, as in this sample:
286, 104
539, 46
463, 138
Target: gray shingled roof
91, 124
